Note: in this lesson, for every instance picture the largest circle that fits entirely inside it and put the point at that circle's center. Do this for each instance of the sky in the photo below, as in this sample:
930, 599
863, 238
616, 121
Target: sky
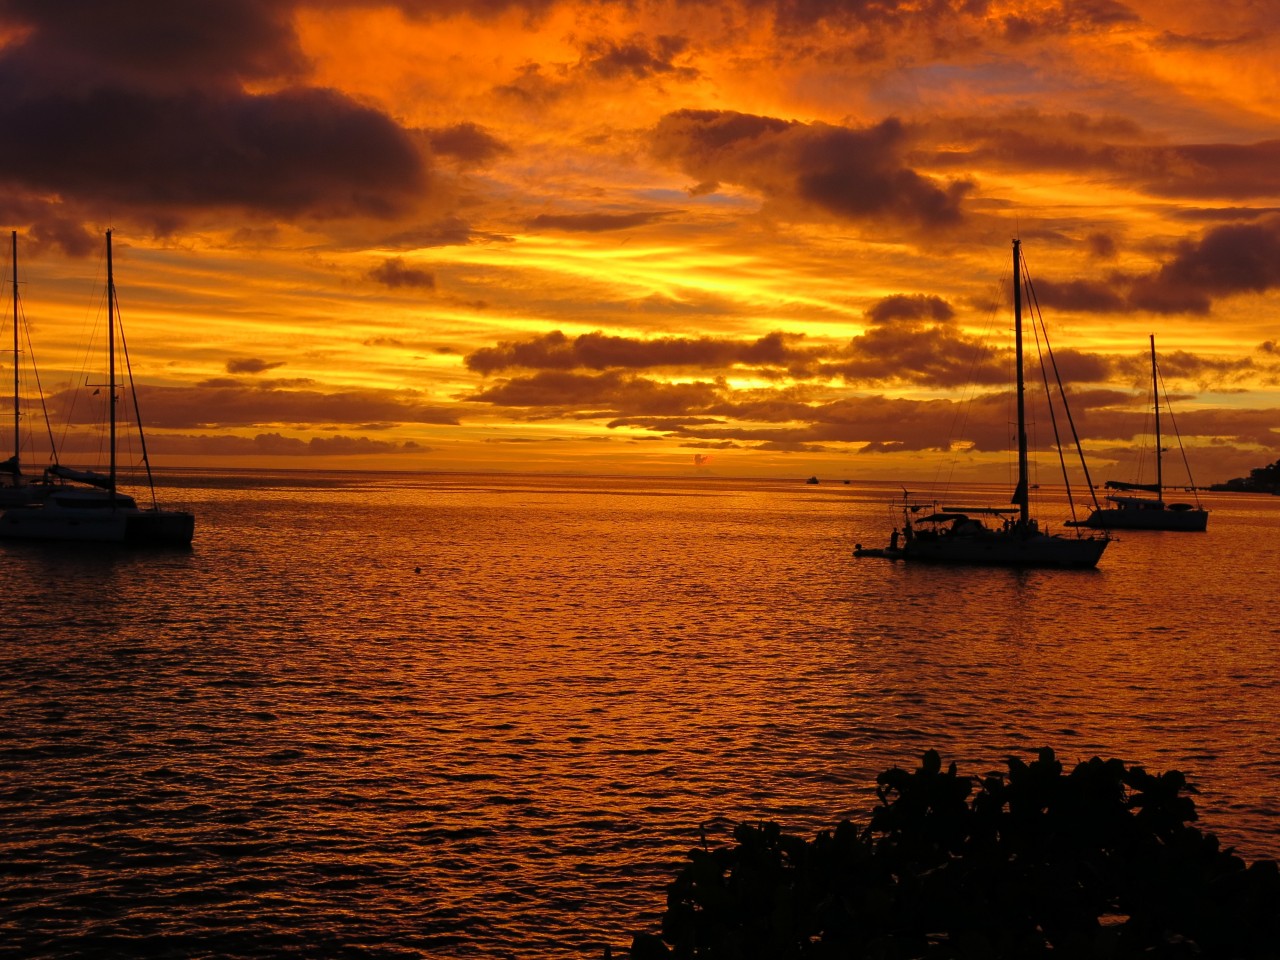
761, 238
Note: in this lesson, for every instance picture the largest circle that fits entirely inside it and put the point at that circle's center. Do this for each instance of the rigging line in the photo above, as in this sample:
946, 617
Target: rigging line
1037, 328
1144, 437
1142, 442
35, 375
90, 324
1062, 390
137, 411
1177, 433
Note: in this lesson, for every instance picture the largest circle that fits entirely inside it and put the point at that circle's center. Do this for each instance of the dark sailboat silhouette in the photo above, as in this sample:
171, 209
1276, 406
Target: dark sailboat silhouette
16, 488
1149, 513
90, 507
956, 535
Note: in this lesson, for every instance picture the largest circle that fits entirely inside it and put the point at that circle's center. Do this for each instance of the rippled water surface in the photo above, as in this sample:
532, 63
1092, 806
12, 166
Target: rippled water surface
466, 716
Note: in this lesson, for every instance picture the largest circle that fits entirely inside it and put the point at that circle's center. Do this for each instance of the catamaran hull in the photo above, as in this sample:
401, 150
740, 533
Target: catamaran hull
23, 496
146, 527
1181, 520
1044, 552
161, 528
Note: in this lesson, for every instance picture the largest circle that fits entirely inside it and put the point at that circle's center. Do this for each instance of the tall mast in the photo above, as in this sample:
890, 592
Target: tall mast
1020, 495
17, 419
1155, 396
111, 366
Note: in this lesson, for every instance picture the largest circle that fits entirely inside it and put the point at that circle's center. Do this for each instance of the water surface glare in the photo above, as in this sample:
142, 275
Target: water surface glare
375, 715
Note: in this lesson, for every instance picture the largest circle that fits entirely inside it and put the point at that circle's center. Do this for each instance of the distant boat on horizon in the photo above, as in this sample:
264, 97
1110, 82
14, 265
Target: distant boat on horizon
90, 508
1150, 513
956, 535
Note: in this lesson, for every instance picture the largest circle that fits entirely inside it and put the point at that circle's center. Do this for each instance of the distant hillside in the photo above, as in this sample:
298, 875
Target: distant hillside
1262, 480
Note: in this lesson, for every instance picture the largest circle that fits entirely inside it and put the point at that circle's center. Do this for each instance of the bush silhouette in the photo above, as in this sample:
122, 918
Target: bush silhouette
1099, 863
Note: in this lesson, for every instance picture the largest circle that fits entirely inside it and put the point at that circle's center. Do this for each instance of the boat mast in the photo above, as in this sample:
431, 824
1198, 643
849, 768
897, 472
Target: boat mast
17, 419
1155, 396
1020, 495
111, 368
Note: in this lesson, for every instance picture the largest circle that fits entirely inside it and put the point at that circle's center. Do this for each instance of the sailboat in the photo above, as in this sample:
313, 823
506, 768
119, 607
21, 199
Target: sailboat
1149, 513
958, 535
90, 507
17, 489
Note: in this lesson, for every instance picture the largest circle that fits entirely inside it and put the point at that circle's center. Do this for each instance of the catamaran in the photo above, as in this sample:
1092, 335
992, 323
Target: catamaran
16, 487
87, 506
1150, 513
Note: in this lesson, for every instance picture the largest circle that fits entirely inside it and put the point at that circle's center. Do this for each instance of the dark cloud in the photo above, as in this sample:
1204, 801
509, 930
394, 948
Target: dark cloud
1078, 367
299, 152
1237, 258
1209, 373
615, 393
910, 307
478, 9
637, 58
1101, 245
803, 16
151, 44
278, 445
1180, 41
1216, 171
533, 86
662, 424
1231, 259
468, 143
929, 356
1193, 214
230, 403
595, 222
864, 422
51, 228
709, 413
448, 232
922, 352
600, 351
1112, 149
393, 273
252, 365
144, 105
853, 174
1092, 296
1077, 16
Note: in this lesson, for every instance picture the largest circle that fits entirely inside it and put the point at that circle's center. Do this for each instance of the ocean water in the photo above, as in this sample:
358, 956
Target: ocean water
378, 715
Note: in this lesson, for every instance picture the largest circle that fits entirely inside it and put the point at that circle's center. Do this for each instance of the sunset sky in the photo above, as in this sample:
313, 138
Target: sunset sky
751, 238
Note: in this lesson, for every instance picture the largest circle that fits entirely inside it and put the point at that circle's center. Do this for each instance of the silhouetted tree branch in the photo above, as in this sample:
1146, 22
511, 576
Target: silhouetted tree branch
1101, 863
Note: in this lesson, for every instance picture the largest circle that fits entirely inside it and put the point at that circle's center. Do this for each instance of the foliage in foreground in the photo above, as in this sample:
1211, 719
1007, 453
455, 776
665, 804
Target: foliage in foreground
1098, 863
